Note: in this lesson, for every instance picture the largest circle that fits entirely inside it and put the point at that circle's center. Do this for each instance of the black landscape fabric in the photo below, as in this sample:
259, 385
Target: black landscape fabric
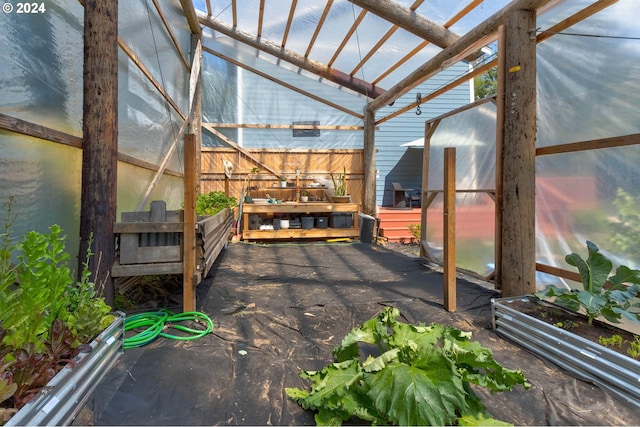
278, 309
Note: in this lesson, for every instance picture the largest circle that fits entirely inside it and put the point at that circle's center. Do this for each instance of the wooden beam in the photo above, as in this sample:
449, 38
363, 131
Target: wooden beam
346, 38
292, 12
594, 144
449, 54
130, 160
518, 155
100, 141
369, 161
304, 63
442, 90
449, 253
24, 127
260, 18
163, 165
429, 129
500, 111
282, 83
195, 96
189, 235
323, 17
190, 14
247, 153
132, 55
410, 21
171, 35
278, 126
382, 40
574, 19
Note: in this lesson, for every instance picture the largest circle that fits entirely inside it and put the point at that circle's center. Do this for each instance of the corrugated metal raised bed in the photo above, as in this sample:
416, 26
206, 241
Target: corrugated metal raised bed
65, 395
585, 359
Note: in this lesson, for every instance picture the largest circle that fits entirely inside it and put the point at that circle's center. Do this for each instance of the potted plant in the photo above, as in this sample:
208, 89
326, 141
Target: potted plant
340, 187
247, 185
524, 320
46, 319
283, 181
305, 196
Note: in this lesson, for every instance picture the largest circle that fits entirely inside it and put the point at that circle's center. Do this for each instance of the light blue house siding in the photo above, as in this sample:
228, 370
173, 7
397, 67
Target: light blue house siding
243, 97
395, 163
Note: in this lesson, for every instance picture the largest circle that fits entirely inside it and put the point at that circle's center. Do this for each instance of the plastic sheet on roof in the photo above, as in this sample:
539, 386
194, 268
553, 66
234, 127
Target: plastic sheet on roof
340, 19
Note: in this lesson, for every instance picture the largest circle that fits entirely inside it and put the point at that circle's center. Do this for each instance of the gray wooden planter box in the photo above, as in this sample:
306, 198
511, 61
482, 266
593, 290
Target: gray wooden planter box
65, 395
585, 359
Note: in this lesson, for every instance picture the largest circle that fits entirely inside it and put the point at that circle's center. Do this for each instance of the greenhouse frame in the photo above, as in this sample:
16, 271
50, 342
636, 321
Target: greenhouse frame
108, 106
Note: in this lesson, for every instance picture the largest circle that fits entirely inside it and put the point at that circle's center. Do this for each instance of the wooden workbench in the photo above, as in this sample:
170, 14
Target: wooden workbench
299, 209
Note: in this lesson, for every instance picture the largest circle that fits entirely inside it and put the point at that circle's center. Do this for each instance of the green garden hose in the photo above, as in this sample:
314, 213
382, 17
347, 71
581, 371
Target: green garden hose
155, 323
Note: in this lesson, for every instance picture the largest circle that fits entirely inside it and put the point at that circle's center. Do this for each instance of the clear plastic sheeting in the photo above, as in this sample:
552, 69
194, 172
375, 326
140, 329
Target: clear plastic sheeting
41, 83
473, 133
587, 90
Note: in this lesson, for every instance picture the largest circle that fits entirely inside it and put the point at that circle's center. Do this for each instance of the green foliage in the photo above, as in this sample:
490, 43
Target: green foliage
340, 182
634, 348
213, 202
626, 230
611, 303
612, 341
422, 376
415, 230
486, 84
44, 314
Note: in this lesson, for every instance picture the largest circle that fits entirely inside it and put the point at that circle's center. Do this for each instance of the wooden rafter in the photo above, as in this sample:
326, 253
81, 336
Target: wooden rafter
190, 14
208, 7
282, 83
292, 12
346, 38
454, 52
575, 18
595, 144
410, 21
325, 12
171, 35
446, 88
260, 18
234, 13
382, 40
315, 67
455, 18
131, 54
24, 127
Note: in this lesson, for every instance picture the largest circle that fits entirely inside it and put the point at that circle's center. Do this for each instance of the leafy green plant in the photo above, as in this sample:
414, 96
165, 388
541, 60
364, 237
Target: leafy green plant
568, 324
340, 182
612, 341
634, 348
45, 315
421, 376
214, 202
612, 303
415, 230
626, 229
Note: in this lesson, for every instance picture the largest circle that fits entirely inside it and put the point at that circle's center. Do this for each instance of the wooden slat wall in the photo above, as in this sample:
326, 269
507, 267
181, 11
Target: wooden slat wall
311, 164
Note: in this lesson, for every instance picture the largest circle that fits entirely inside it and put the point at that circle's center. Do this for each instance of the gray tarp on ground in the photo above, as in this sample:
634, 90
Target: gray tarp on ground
300, 301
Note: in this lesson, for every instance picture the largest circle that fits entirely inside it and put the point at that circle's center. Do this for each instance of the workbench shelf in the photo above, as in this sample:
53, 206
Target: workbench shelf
267, 212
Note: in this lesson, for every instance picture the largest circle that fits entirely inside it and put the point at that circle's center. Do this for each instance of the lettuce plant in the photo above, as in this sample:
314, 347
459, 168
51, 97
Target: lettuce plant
420, 375
612, 302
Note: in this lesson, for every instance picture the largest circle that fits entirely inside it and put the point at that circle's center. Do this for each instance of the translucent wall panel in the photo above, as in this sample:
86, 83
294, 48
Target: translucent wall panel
472, 132
45, 191
133, 183
41, 66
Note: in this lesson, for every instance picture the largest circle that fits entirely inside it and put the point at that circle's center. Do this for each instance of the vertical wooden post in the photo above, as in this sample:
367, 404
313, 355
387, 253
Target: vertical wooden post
195, 110
499, 142
518, 155
100, 140
450, 229
425, 187
189, 244
369, 197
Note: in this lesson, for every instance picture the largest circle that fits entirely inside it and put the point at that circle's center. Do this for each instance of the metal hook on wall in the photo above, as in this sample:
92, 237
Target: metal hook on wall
418, 101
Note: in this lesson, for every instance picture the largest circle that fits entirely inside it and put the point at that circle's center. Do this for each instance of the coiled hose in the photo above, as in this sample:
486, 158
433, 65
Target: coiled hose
155, 323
